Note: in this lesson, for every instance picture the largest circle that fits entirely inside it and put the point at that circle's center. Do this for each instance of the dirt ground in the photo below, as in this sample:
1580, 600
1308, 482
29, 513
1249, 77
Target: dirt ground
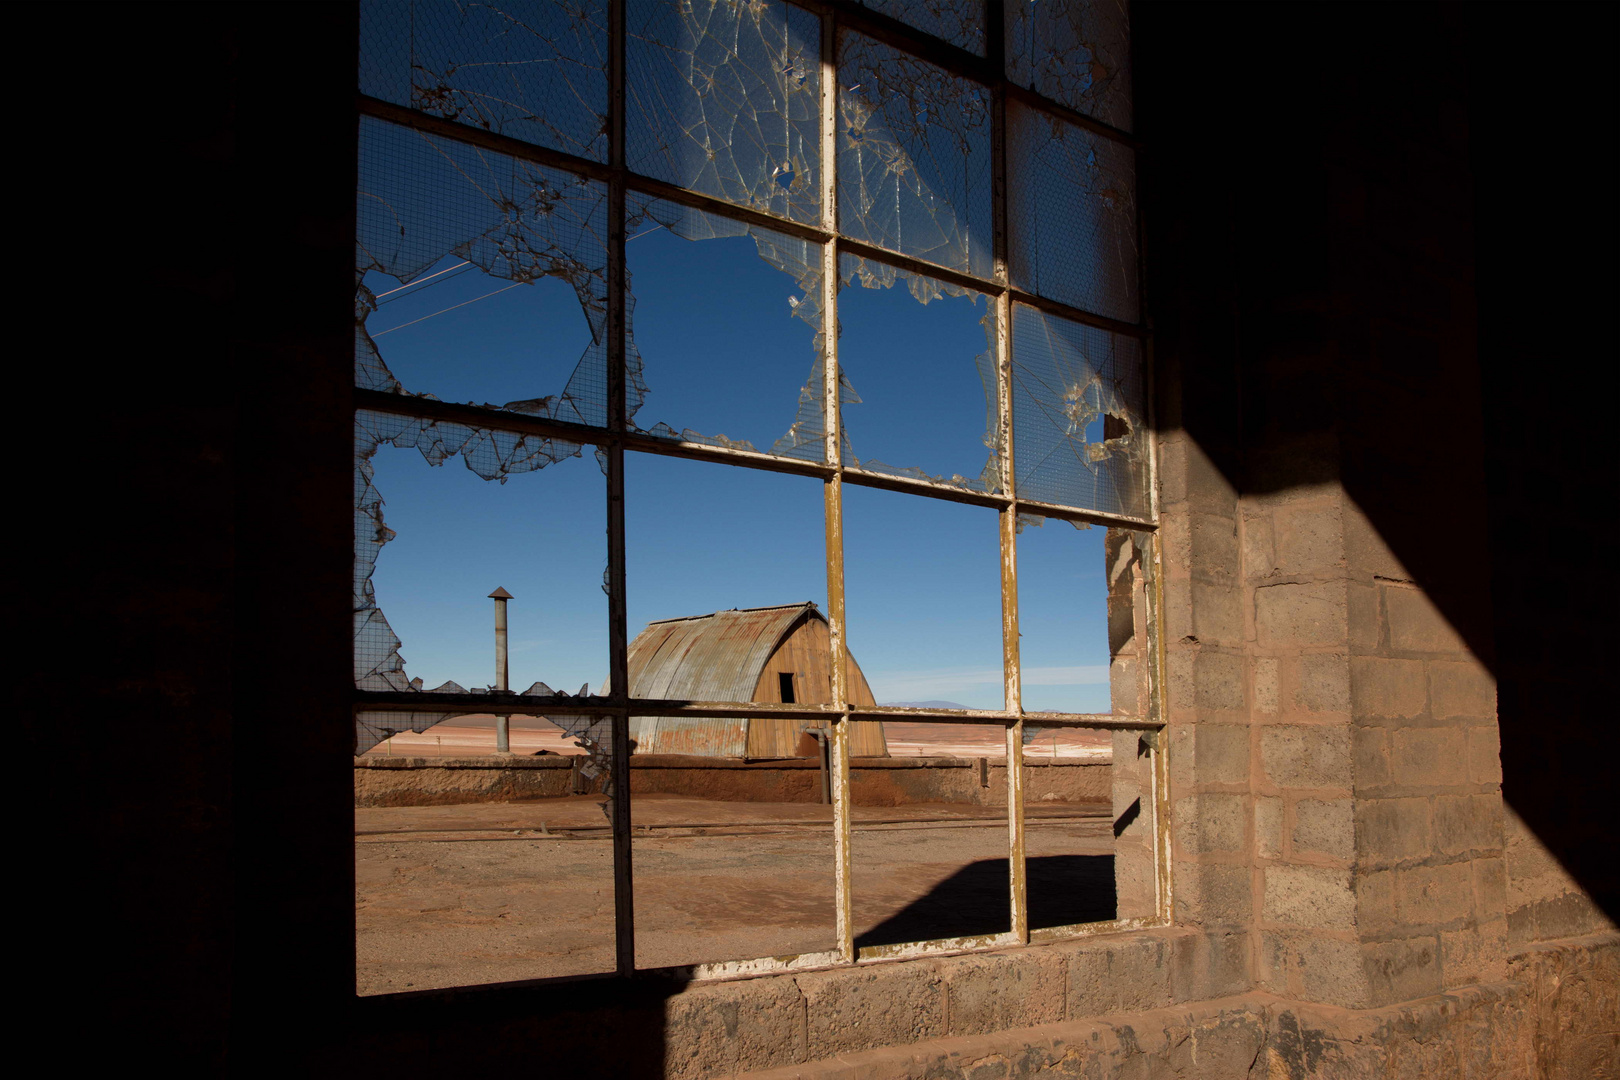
497, 892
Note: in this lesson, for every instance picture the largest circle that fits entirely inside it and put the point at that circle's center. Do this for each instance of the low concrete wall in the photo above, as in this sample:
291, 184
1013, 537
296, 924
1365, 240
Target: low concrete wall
416, 781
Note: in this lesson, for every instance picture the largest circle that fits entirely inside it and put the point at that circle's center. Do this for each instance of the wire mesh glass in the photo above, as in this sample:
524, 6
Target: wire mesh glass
534, 70
914, 170
960, 22
1079, 422
423, 199
1077, 52
724, 98
1071, 214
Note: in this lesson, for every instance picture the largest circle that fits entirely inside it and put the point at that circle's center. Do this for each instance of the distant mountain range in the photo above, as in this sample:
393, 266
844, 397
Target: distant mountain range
922, 705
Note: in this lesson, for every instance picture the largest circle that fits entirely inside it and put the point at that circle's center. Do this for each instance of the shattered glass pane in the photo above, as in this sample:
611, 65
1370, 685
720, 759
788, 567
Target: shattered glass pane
913, 157
1077, 52
490, 455
534, 70
893, 345
723, 97
960, 22
1071, 213
426, 205
736, 348
1079, 429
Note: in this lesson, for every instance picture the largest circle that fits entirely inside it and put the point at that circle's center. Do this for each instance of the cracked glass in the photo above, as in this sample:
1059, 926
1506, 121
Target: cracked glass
451, 521
1076, 52
728, 317
723, 97
468, 227
1079, 430
960, 22
1072, 214
534, 70
482, 277
913, 157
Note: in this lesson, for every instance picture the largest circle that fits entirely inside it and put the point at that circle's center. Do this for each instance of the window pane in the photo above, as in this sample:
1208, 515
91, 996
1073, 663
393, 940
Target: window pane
534, 70
1069, 863
920, 361
480, 237
725, 98
913, 157
1079, 428
1077, 52
727, 330
960, 22
474, 866
727, 587
922, 588
1062, 617
930, 836
1071, 213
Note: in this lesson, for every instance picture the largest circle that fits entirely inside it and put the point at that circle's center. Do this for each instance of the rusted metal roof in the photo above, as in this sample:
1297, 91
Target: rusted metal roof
715, 657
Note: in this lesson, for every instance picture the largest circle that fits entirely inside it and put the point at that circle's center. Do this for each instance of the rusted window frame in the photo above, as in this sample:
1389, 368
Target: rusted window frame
619, 436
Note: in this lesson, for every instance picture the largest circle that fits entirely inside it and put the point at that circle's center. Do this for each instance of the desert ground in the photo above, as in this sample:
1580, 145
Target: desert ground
498, 892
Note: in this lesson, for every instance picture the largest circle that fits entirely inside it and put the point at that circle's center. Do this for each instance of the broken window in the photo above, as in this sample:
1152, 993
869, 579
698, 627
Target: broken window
928, 334
914, 160
784, 364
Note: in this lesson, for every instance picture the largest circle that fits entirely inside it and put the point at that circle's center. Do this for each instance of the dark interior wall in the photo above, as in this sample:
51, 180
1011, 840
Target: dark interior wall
1320, 188
208, 247
1381, 251
1546, 267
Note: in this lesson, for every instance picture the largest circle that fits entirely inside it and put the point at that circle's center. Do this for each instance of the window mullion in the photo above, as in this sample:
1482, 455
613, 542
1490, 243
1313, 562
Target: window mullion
833, 488
618, 615
1011, 671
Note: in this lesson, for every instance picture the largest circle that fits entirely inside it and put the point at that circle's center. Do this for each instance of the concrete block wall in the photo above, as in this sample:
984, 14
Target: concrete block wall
1431, 878
1335, 770
1134, 802
1206, 697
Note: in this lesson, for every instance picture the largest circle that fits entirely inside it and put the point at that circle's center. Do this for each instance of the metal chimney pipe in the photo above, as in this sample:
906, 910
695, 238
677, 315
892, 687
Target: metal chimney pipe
503, 724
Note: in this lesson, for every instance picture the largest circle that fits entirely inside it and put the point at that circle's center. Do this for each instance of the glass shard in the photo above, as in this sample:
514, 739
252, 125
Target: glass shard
490, 455
534, 70
1079, 428
913, 157
425, 203
737, 349
1071, 214
1077, 52
723, 98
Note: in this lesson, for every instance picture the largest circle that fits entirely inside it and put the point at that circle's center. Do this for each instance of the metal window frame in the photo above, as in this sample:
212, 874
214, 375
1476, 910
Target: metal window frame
618, 436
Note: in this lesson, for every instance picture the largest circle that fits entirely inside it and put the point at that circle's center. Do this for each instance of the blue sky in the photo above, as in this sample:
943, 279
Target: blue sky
723, 354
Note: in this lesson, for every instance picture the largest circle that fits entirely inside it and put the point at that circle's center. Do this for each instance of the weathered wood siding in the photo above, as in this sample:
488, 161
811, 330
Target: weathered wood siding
805, 655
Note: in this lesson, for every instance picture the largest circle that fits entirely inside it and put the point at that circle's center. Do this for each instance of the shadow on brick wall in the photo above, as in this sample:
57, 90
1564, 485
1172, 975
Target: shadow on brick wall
1360, 287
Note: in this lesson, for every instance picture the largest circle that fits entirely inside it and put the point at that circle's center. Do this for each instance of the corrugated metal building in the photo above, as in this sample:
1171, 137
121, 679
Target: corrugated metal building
776, 654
